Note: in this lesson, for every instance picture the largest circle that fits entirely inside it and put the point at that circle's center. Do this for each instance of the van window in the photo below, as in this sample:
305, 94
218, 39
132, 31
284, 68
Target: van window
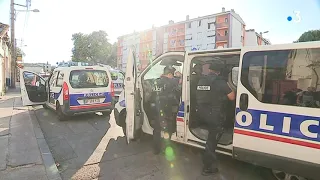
157, 70
88, 79
60, 79
289, 77
114, 75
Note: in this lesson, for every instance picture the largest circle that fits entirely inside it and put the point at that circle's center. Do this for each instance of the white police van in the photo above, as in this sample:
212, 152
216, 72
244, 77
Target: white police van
70, 90
117, 77
267, 125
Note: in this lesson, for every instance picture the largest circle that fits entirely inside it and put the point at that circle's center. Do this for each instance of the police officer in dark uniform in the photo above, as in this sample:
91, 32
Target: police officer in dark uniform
167, 89
212, 93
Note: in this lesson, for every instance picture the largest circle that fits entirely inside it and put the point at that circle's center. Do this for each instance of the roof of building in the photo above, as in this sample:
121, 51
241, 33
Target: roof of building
3, 29
235, 15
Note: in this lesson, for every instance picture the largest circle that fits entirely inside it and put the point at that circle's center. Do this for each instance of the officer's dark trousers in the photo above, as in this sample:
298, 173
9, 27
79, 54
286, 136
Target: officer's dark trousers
210, 118
159, 126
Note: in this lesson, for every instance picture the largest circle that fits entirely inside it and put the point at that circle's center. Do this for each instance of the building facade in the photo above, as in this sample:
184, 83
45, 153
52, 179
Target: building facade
5, 58
221, 30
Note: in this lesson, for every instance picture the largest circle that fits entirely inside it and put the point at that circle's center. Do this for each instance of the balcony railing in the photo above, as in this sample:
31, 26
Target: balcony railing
222, 25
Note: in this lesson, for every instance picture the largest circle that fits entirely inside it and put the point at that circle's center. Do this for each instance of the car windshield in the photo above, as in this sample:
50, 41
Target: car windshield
88, 79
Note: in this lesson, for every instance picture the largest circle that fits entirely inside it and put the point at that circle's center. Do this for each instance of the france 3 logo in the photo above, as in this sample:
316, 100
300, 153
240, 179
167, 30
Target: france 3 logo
296, 18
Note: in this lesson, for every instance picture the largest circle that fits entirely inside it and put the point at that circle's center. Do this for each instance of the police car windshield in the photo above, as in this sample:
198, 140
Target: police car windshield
88, 79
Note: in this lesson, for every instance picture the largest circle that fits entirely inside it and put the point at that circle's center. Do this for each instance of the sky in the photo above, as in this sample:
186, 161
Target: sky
47, 35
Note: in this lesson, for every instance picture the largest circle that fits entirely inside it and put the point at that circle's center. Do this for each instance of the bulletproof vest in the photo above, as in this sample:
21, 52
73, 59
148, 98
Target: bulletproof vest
165, 93
208, 92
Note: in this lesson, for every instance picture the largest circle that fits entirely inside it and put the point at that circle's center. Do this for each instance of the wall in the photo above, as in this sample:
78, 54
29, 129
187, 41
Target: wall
236, 32
250, 38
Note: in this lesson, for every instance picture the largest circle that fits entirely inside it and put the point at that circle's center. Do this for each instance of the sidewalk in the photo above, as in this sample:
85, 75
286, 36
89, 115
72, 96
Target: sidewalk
24, 153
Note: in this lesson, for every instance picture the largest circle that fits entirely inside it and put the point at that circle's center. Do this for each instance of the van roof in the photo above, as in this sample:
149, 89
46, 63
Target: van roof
81, 68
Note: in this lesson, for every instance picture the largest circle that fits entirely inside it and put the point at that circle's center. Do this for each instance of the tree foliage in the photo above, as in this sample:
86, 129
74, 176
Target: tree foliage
313, 35
19, 51
93, 47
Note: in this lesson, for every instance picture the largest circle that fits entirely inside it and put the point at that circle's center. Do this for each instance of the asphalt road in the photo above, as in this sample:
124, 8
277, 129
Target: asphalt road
93, 147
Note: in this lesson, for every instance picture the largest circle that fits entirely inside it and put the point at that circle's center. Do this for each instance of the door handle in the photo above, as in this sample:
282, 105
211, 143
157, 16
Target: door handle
244, 102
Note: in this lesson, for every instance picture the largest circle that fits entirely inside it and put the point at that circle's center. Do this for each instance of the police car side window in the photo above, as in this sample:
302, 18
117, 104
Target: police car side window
279, 76
53, 79
60, 79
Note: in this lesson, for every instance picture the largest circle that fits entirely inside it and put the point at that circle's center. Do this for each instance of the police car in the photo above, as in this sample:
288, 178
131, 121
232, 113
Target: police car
117, 77
70, 90
261, 127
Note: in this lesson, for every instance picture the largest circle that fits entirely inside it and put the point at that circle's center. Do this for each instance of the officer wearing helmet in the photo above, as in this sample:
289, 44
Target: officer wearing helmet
166, 90
211, 94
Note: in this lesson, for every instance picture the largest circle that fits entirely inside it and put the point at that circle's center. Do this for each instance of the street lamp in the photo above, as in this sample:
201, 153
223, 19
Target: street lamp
33, 10
263, 33
13, 44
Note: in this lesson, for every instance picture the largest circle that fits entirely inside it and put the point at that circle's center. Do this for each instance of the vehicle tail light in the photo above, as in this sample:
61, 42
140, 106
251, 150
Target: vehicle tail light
65, 91
112, 89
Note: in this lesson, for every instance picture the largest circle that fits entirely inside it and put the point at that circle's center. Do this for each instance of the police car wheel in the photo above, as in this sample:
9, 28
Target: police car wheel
61, 116
279, 175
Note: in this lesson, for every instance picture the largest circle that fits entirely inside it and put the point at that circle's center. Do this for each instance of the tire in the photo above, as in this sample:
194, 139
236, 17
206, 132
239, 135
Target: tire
269, 174
45, 106
61, 115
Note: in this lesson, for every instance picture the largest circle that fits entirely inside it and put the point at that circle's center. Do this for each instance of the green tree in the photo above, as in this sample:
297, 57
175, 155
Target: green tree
312, 35
93, 47
19, 51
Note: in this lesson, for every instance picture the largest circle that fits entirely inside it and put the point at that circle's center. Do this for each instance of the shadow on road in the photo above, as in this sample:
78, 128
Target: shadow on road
93, 147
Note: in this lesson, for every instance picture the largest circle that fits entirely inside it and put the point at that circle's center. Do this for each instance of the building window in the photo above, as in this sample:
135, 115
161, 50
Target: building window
226, 20
226, 33
210, 25
281, 77
199, 23
189, 25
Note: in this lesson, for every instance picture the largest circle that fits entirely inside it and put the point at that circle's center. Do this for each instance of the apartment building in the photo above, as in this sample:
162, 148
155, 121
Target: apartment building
220, 30
252, 38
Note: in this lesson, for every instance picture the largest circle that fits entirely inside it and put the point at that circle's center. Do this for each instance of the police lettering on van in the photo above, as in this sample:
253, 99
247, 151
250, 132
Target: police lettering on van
287, 125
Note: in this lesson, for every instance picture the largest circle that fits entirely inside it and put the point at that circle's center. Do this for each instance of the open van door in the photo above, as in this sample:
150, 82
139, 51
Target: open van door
33, 88
130, 96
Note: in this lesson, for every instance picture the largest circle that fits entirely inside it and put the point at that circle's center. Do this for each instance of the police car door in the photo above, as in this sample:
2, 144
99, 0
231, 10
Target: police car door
272, 128
33, 90
130, 97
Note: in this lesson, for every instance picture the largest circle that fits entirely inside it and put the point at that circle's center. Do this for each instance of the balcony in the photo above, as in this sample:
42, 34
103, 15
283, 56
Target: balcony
222, 38
222, 25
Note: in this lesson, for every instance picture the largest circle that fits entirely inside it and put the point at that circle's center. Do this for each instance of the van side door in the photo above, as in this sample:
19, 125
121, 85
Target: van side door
277, 122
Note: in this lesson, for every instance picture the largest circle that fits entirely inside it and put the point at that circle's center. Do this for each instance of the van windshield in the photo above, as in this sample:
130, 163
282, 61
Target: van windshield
88, 79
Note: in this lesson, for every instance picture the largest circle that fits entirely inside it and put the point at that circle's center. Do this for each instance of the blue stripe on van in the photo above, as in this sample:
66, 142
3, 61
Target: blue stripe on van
301, 127
74, 97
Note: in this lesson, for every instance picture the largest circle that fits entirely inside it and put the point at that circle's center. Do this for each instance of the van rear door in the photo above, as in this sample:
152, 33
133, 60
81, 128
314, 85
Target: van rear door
90, 88
33, 88
277, 122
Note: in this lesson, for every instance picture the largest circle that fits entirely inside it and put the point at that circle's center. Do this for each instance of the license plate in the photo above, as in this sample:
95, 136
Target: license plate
117, 85
91, 101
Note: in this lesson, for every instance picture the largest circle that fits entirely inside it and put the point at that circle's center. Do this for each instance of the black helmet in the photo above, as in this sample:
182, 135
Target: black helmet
169, 69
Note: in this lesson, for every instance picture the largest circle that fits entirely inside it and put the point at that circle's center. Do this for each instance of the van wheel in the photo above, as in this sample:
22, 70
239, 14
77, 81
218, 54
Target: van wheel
278, 175
61, 116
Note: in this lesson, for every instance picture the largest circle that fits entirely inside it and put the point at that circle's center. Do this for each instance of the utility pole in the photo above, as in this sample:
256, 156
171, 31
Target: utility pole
13, 46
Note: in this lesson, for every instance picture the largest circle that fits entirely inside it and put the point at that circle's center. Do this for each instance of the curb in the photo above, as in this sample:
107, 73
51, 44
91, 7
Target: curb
48, 161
